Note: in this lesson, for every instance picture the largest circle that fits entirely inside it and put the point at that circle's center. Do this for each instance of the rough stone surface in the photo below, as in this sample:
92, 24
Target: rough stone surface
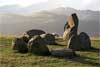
74, 43
36, 45
48, 38
66, 34
33, 32
71, 26
19, 45
85, 40
60, 52
26, 39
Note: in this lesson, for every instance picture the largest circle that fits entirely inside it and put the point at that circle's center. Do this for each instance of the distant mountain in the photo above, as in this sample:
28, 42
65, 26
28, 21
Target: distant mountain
50, 21
89, 20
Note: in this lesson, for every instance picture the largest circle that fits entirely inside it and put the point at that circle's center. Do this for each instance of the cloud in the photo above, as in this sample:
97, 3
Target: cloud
92, 4
23, 3
29, 2
77, 4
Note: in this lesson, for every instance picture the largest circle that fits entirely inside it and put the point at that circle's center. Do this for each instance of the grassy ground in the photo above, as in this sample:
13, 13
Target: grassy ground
89, 58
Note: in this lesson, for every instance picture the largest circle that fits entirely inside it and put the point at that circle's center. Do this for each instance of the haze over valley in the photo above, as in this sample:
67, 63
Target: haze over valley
50, 21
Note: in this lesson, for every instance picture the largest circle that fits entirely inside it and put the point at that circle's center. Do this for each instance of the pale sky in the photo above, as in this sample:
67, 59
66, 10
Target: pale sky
78, 4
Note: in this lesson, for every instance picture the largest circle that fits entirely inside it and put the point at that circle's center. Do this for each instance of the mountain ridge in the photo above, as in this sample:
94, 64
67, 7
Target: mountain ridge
50, 21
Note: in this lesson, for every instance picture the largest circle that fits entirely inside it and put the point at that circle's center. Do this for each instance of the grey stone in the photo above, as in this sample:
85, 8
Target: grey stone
19, 45
74, 43
60, 52
30, 33
48, 38
36, 45
71, 26
85, 40
26, 39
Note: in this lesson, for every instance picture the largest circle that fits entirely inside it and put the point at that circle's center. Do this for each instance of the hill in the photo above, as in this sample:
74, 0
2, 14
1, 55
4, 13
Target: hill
50, 21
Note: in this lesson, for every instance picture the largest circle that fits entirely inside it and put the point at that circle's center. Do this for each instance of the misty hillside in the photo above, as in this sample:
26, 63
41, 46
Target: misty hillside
50, 21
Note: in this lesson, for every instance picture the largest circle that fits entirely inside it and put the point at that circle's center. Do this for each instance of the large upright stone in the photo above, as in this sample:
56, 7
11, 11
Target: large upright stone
81, 42
61, 52
71, 26
74, 43
36, 45
85, 40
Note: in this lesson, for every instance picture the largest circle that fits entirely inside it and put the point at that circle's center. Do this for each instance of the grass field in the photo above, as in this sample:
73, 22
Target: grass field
89, 58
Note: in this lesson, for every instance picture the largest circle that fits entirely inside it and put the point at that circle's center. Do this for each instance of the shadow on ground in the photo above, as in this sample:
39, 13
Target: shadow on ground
83, 59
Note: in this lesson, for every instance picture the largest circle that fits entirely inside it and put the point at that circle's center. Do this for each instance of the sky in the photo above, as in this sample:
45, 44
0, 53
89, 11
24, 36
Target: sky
77, 4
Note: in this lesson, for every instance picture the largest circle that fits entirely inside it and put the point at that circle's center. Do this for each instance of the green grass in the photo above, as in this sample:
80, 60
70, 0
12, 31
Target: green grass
89, 58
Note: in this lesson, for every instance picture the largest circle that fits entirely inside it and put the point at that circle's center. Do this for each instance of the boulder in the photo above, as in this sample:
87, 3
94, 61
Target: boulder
60, 52
30, 33
36, 45
48, 38
19, 45
85, 40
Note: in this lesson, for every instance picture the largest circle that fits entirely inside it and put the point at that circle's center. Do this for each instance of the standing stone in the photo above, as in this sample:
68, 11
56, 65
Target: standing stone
74, 43
19, 45
36, 45
71, 26
79, 42
85, 40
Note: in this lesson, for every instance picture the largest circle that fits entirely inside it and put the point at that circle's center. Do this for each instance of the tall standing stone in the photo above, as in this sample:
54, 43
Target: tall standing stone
71, 26
75, 41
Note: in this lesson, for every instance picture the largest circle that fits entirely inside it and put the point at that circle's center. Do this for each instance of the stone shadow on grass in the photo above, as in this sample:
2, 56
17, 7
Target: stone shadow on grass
81, 59
86, 60
92, 49
97, 50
